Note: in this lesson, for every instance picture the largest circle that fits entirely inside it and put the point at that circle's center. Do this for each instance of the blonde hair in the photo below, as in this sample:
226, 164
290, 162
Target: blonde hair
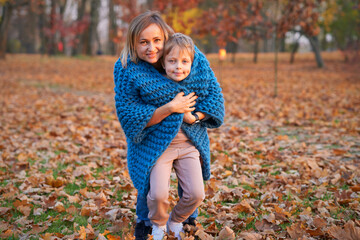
137, 25
185, 43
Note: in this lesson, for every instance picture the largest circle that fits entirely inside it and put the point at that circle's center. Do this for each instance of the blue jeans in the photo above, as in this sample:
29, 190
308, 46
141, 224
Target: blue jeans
142, 209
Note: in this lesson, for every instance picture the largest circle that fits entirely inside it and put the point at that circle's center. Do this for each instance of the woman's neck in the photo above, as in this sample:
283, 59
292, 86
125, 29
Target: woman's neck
158, 66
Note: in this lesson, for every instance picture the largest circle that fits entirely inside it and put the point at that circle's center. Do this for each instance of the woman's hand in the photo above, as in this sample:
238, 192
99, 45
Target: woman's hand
189, 118
183, 104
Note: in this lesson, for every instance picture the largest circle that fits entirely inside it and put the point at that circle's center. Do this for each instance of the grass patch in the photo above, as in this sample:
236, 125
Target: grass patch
60, 167
31, 161
72, 188
58, 152
276, 173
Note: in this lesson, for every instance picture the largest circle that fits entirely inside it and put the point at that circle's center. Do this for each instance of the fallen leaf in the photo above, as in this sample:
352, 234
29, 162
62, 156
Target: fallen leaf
250, 236
243, 206
226, 234
202, 235
59, 207
296, 231
349, 232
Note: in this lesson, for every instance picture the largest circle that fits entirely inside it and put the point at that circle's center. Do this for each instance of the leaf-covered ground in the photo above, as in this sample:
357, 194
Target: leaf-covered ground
282, 168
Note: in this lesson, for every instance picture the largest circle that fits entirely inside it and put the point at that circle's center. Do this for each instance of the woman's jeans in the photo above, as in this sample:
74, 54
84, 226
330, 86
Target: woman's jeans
142, 210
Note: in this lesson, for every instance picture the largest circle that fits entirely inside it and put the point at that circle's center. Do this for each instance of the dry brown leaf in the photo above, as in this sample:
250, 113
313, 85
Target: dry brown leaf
355, 188
203, 235
8, 233
296, 231
243, 206
59, 207
36, 229
82, 233
74, 199
90, 232
319, 222
250, 236
47, 236
349, 232
88, 210
226, 234
4, 210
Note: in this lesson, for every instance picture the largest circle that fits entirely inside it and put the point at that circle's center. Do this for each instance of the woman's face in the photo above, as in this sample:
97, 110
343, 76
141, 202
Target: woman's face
150, 45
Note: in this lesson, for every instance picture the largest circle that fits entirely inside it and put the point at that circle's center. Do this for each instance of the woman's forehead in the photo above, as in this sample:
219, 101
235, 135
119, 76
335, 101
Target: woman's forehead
151, 31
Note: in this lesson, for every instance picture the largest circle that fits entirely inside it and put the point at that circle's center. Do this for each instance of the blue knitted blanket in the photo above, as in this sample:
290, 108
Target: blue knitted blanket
139, 90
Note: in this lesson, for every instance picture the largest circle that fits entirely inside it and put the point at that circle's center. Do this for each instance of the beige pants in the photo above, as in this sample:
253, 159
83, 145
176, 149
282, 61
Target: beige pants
185, 158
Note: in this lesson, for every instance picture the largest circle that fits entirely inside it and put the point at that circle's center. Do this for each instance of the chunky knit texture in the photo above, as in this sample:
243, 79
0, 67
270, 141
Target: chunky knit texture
139, 90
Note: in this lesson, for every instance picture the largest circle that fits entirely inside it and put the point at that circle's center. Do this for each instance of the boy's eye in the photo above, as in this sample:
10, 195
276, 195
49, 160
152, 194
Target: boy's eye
143, 42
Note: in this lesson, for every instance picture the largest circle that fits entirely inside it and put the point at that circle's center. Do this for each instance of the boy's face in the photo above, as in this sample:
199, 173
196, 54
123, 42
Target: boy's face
177, 64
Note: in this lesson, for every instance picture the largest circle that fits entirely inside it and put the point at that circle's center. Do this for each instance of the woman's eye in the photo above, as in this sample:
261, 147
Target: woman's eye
157, 40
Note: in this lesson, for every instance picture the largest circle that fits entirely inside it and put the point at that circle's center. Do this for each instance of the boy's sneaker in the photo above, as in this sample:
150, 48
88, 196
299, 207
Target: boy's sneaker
142, 231
176, 228
158, 232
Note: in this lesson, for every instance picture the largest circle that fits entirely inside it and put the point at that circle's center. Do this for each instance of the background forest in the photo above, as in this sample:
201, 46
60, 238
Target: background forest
284, 165
91, 27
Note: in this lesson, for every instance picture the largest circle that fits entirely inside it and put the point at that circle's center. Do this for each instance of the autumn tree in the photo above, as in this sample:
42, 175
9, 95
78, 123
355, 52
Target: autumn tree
342, 20
8, 8
128, 9
259, 27
301, 16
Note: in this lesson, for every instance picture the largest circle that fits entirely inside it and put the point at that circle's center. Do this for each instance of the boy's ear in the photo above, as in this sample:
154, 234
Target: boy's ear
163, 63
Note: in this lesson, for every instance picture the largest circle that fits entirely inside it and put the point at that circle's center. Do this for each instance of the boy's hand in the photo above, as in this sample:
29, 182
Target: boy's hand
189, 118
183, 104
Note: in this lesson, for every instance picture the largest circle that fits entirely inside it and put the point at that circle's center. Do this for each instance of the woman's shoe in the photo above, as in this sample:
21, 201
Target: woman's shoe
142, 231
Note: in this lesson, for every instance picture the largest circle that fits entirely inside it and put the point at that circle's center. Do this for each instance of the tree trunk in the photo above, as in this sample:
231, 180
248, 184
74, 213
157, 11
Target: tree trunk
282, 44
31, 30
62, 17
112, 28
80, 39
265, 49
256, 50
276, 51
52, 38
314, 41
41, 25
94, 20
4, 28
293, 51
233, 58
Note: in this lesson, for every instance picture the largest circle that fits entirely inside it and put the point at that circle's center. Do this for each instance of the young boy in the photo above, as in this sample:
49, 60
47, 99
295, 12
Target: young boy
181, 154
179, 52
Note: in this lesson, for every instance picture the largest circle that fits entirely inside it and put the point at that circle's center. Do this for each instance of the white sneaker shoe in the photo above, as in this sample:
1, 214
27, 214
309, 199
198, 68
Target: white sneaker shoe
176, 228
158, 232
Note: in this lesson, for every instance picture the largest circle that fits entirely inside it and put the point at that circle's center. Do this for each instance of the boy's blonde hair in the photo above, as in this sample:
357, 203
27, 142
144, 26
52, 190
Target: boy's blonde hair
137, 25
185, 43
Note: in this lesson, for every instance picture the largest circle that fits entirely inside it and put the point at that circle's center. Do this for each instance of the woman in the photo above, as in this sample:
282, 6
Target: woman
151, 107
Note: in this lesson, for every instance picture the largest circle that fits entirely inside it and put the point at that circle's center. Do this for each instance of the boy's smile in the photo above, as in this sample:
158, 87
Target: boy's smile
177, 64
